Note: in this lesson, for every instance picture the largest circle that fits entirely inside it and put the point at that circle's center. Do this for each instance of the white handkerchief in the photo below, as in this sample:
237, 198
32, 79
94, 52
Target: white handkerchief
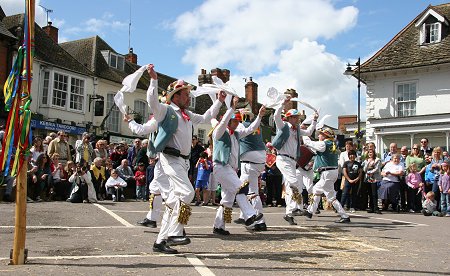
129, 85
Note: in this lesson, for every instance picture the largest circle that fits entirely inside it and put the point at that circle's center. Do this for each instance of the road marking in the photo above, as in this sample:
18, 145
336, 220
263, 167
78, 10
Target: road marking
393, 220
114, 215
117, 256
71, 227
372, 247
199, 265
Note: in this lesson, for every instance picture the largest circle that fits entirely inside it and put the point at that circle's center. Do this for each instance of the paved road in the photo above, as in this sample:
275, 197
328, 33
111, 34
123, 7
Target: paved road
95, 239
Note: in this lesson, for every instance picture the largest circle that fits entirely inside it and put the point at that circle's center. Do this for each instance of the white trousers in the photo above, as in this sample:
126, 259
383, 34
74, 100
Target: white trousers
176, 168
251, 172
230, 184
325, 186
287, 167
160, 187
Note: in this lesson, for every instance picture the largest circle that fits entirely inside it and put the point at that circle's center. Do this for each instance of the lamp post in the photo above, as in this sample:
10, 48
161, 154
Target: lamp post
351, 72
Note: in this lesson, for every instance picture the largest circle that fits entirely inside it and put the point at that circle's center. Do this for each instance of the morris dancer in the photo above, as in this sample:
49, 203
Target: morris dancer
174, 144
326, 163
253, 158
287, 142
226, 158
160, 186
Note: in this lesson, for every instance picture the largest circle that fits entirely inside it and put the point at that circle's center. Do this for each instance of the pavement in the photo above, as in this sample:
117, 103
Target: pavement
104, 239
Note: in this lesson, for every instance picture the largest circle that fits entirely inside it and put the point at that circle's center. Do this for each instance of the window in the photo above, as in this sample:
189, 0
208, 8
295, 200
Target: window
192, 103
60, 84
112, 122
114, 60
406, 99
65, 87
201, 135
141, 108
45, 87
430, 32
76, 94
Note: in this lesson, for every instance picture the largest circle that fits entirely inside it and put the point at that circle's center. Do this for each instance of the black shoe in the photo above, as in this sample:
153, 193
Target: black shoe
343, 220
308, 214
370, 211
197, 203
220, 231
239, 221
290, 220
260, 227
317, 212
178, 240
163, 248
252, 219
148, 223
378, 211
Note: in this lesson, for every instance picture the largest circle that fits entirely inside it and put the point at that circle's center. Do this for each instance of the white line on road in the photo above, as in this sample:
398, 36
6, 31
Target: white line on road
199, 265
118, 218
115, 256
393, 220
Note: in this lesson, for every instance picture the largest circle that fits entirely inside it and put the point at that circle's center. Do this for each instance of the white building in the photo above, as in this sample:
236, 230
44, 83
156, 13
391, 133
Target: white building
408, 84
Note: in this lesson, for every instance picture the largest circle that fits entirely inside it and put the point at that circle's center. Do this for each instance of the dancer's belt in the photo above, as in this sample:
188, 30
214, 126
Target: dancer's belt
174, 152
250, 162
287, 155
322, 169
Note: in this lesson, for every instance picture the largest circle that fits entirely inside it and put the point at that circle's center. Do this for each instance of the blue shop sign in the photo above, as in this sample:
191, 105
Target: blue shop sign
57, 127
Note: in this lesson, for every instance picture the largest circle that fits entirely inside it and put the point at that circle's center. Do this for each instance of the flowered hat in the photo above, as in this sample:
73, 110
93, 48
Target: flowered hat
328, 132
292, 112
237, 116
176, 86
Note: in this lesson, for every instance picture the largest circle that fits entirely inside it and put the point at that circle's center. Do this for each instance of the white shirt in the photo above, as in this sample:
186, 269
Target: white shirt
242, 132
393, 168
290, 147
181, 140
149, 127
111, 182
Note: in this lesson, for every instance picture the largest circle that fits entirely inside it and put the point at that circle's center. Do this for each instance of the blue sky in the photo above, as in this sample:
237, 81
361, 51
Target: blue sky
301, 44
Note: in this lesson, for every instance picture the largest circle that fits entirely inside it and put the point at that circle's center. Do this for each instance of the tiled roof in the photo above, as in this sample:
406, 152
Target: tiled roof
404, 51
3, 30
88, 51
46, 50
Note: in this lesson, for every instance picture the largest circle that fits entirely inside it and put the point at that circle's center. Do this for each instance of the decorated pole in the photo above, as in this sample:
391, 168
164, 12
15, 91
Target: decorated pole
17, 138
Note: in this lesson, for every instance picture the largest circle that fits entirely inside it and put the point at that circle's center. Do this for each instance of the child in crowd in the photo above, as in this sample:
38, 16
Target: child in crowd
352, 171
140, 177
203, 171
444, 188
429, 205
415, 186
114, 186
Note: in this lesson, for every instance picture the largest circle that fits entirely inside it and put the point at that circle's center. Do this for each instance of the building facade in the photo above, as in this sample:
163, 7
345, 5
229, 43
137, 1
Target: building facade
408, 84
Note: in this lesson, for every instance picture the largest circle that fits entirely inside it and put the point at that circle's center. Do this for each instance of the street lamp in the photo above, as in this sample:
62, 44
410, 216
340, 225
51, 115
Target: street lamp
351, 72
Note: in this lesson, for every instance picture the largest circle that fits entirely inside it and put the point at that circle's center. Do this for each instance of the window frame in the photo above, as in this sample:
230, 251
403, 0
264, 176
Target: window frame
112, 117
145, 115
405, 112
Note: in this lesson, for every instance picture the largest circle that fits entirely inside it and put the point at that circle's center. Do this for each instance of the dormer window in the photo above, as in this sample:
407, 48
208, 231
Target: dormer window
431, 27
114, 60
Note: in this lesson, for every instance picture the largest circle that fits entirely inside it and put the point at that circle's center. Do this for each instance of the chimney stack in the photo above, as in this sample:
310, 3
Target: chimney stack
224, 74
291, 105
131, 57
251, 95
51, 31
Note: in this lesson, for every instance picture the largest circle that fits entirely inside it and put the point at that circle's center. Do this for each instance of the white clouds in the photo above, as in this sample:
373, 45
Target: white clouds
275, 42
252, 33
98, 26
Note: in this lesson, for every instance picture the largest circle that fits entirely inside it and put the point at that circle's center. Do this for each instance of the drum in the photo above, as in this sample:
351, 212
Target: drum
270, 159
306, 155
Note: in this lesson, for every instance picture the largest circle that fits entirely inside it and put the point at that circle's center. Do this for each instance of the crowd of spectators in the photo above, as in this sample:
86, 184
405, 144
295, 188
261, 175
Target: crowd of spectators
415, 180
